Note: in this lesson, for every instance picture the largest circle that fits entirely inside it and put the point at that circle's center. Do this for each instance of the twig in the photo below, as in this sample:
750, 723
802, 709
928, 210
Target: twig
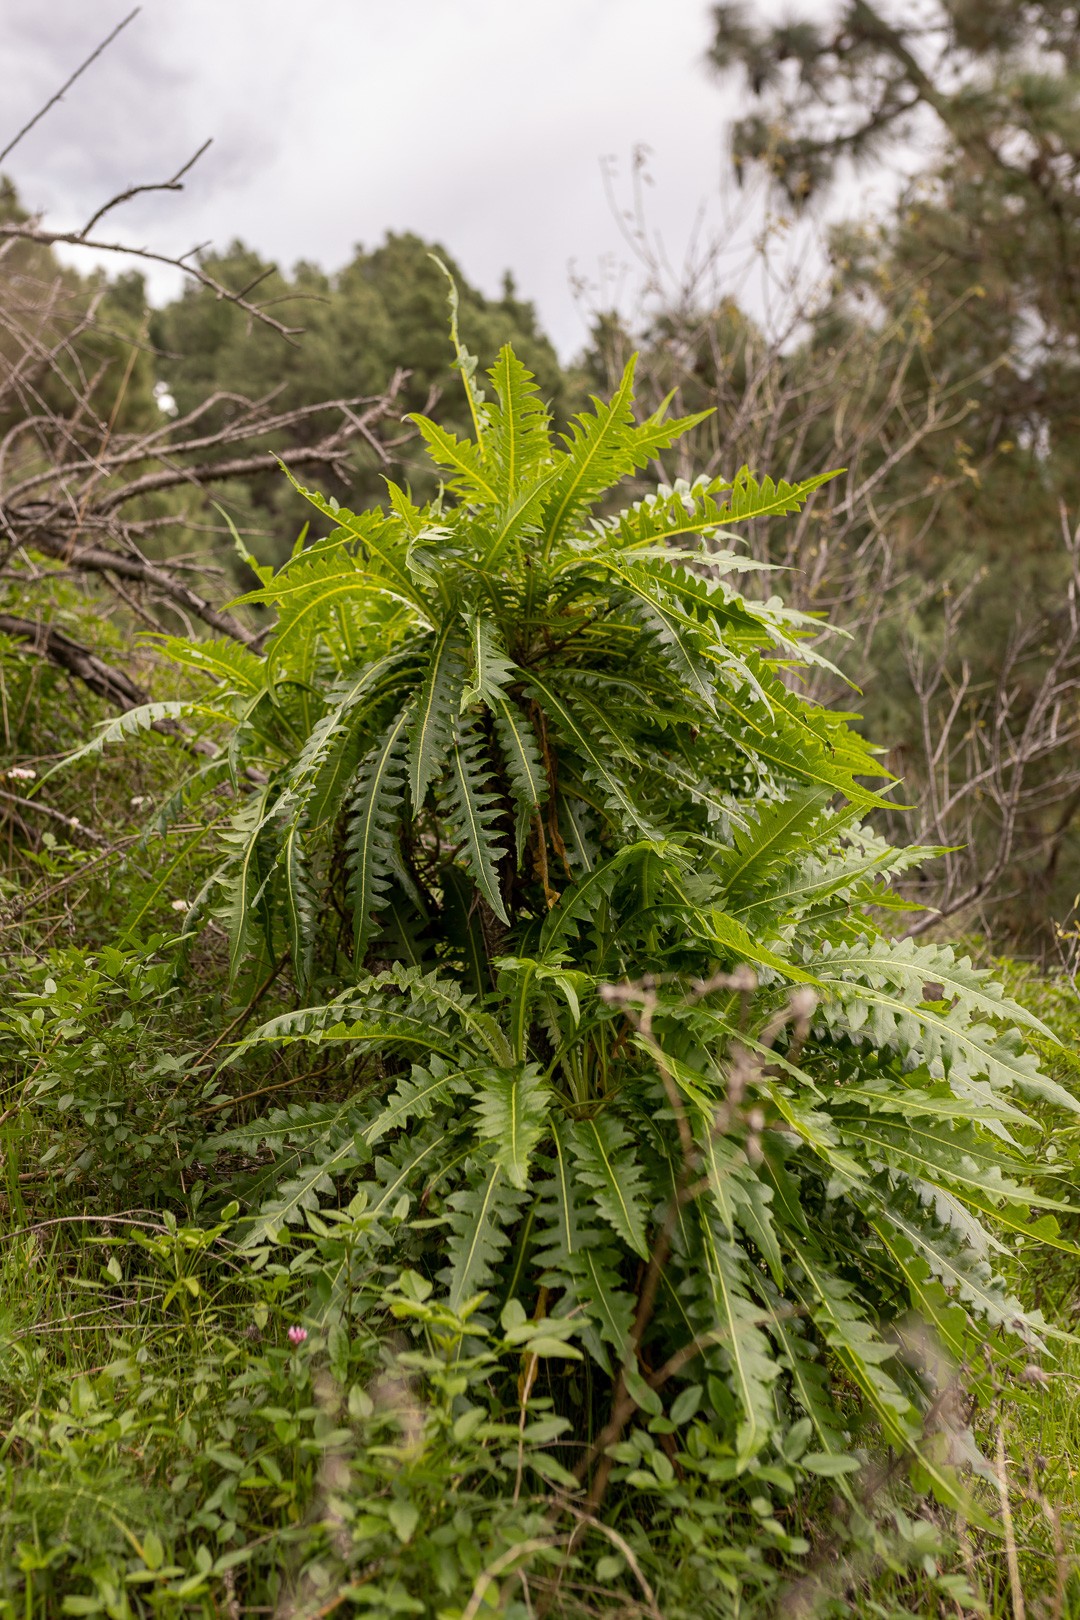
70, 1220
72, 823
79, 71
611, 1534
1019, 1612
27, 231
521, 1549
137, 191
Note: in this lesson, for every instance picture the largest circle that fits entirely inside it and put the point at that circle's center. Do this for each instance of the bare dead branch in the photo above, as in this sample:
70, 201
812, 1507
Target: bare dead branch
992, 769
66, 86
77, 508
141, 571
49, 641
175, 184
70, 824
31, 230
997, 778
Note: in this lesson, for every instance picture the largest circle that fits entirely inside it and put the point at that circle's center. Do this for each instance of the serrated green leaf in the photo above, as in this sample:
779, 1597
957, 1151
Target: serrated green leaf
512, 1107
437, 701
603, 1149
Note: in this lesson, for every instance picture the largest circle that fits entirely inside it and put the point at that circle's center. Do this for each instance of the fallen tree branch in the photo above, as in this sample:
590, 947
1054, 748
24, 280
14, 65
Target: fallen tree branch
55, 645
71, 824
75, 510
93, 560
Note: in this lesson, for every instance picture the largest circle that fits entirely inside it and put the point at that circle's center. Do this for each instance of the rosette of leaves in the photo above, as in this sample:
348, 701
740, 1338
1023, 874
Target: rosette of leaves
582, 886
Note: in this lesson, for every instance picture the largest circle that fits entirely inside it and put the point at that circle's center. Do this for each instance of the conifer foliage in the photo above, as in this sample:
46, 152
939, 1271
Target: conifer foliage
583, 891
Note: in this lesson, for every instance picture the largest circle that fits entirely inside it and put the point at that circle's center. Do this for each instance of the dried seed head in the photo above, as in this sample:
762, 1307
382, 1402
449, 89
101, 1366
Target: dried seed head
802, 1002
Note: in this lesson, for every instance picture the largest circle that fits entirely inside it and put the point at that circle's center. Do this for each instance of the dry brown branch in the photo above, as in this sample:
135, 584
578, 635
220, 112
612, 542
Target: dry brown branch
996, 776
793, 406
69, 502
174, 184
70, 824
992, 769
67, 84
78, 491
49, 641
81, 493
33, 230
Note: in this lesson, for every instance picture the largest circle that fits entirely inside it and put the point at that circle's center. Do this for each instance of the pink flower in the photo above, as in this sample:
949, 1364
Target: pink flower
297, 1335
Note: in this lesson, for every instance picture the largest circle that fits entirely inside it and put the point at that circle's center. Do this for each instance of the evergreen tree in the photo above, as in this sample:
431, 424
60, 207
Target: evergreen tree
382, 312
983, 238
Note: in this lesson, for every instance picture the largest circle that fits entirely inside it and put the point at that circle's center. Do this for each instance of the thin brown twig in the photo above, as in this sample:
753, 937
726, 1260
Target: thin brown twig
67, 84
72, 824
1008, 1529
173, 184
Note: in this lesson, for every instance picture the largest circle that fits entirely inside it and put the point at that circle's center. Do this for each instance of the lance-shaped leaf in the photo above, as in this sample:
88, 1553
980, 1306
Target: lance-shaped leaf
300, 905
852, 1337
308, 600
316, 772
882, 990
247, 875
906, 1231
374, 813
237, 668
685, 511
598, 1287
604, 445
778, 833
146, 716
416, 1097
562, 1224
490, 670
377, 538
438, 700
459, 457
606, 1160
473, 811
518, 443
751, 1363
524, 768
302, 1192
480, 1218
511, 1108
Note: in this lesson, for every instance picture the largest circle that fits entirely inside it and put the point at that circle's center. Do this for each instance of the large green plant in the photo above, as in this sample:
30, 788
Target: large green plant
579, 886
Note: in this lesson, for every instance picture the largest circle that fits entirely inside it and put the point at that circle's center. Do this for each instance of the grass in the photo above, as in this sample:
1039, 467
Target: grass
124, 1420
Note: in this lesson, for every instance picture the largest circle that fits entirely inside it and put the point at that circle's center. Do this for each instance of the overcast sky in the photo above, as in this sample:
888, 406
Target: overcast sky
481, 124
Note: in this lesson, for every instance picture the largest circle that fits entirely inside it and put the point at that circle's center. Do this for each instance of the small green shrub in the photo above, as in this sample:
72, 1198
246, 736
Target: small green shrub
87, 1036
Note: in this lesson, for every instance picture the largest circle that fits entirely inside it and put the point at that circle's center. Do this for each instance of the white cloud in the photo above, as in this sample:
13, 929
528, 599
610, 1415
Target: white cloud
481, 123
